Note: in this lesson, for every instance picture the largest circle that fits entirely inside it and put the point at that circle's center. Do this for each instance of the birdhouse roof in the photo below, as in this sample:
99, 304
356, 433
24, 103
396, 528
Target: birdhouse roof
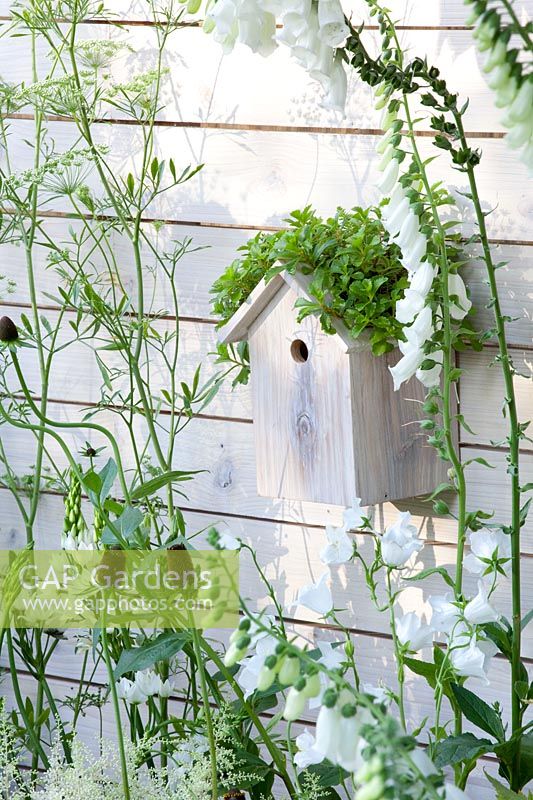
238, 327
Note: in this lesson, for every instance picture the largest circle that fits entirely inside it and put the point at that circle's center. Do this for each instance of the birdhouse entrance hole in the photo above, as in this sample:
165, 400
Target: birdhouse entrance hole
299, 351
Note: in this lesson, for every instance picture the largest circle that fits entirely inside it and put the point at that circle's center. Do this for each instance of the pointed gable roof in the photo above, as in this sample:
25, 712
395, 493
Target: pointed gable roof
238, 327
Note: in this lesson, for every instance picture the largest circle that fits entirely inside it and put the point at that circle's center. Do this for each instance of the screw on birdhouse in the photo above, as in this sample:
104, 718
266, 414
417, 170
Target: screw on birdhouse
8, 330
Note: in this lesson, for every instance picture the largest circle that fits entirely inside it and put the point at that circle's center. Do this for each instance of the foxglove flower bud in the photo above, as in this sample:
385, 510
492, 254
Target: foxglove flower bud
268, 672
289, 671
373, 790
312, 685
236, 651
8, 330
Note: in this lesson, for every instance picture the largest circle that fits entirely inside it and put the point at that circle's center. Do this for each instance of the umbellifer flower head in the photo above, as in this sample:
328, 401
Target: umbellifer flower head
8, 330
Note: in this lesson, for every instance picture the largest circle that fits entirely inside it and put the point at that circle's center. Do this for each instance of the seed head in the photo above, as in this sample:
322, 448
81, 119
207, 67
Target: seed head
8, 330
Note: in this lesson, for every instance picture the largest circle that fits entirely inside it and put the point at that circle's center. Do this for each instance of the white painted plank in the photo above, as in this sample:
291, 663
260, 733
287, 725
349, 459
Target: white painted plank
76, 375
276, 91
257, 178
483, 393
290, 554
213, 249
226, 450
216, 249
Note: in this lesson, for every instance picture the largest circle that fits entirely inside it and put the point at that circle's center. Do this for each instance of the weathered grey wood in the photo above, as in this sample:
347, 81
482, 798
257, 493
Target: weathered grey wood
301, 409
236, 329
328, 425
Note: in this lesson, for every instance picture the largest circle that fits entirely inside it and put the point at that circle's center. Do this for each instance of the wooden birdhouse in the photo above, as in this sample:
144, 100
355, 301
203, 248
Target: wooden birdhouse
328, 425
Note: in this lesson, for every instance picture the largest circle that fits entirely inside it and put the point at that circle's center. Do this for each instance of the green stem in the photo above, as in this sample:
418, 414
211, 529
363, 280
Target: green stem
116, 709
514, 449
207, 712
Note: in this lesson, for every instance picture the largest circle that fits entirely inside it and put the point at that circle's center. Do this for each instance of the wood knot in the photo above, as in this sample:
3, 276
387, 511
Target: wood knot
304, 426
224, 474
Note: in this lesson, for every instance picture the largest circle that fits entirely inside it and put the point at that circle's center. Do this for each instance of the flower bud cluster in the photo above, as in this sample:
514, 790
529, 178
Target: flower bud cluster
403, 219
506, 76
75, 535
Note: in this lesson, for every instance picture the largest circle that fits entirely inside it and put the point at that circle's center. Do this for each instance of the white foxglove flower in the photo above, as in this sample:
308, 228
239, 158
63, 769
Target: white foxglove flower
420, 331
422, 279
417, 250
469, 661
496, 56
337, 86
486, 548
400, 541
507, 93
406, 367
479, 610
384, 142
413, 632
317, 596
307, 753
339, 549
257, 30
389, 177
294, 26
333, 30
431, 377
396, 198
409, 306
499, 77
222, 19
445, 615
409, 232
394, 222
458, 308
520, 134
521, 108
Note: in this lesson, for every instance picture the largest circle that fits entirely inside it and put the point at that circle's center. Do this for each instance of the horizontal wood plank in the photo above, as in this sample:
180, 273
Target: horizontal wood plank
257, 178
289, 555
200, 87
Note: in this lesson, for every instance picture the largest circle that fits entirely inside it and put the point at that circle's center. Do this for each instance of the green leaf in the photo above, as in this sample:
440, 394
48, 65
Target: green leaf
328, 774
423, 668
165, 646
420, 576
151, 486
456, 749
506, 752
502, 792
527, 619
478, 712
